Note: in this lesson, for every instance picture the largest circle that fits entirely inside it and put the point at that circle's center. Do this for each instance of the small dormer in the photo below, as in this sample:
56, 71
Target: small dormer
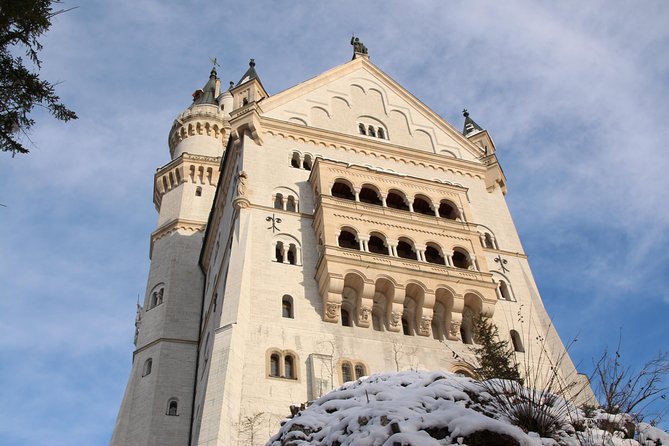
249, 89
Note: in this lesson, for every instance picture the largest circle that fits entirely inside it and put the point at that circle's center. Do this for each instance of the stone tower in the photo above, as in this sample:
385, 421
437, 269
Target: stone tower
157, 405
350, 230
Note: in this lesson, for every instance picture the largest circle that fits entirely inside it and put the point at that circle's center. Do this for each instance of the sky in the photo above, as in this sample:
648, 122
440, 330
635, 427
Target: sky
573, 93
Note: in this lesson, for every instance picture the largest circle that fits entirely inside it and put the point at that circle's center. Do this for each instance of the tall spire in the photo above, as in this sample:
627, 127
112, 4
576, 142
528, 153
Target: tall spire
470, 126
250, 73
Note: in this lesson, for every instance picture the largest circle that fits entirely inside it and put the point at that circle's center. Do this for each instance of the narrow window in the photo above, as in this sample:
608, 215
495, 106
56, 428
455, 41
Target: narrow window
504, 290
371, 131
345, 318
147, 367
405, 326
517, 342
381, 133
278, 201
274, 361
488, 241
290, 205
448, 211
306, 164
289, 369
173, 407
215, 302
359, 371
361, 129
292, 254
198, 191
287, 307
295, 160
348, 240
346, 372
278, 252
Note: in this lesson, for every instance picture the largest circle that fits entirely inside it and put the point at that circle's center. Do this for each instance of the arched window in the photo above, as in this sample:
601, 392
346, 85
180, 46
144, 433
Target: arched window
292, 254
295, 160
342, 190
396, 201
504, 290
448, 210
360, 371
198, 191
147, 367
346, 372
289, 367
278, 252
361, 129
406, 250
306, 164
377, 245
346, 318
369, 195
173, 407
381, 133
347, 239
517, 342
275, 365
287, 307
488, 242
422, 206
290, 204
433, 255
278, 201
460, 259
371, 131
156, 297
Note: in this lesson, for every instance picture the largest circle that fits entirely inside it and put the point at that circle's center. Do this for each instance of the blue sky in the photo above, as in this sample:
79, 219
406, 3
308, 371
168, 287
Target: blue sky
573, 93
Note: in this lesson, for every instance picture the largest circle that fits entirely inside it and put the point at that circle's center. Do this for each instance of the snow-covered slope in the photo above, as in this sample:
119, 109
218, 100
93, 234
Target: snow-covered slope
440, 408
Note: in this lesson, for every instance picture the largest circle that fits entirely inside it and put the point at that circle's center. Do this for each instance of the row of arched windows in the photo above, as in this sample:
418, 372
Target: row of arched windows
370, 130
282, 364
285, 252
396, 199
405, 248
285, 202
156, 296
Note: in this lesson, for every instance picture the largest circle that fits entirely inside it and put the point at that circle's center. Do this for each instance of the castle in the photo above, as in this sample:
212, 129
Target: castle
305, 239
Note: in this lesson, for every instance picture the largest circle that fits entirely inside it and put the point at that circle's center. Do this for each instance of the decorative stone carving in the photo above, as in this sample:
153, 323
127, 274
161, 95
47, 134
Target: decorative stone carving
332, 311
454, 334
395, 319
425, 326
365, 314
241, 183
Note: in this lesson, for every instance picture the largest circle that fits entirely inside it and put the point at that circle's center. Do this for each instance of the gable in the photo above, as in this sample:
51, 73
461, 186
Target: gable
357, 97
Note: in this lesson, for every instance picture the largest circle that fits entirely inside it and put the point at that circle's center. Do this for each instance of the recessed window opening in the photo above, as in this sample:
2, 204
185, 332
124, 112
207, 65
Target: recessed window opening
306, 164
361, 129
369, 195
342, 190
287, 307
292, 254
156, 298
371, 131
405, 250
381, 133
359, 371
346, 372
377, 245
448, 211
488, 242
278, 252
396, 201
504, 290
288, 367
346, 318
295, 160
348, 240
290, 204
274, 366
422, 206
173, 408
517, 342
278, 201
432, 255
198, 191
147, 367
460, 259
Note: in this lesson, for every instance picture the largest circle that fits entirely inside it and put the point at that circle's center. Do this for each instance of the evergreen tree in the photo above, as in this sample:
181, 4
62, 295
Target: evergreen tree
22, 22
494, 356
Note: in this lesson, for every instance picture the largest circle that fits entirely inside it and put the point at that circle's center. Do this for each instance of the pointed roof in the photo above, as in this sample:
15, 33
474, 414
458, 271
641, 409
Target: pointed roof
470, 126
250, 73
207, 94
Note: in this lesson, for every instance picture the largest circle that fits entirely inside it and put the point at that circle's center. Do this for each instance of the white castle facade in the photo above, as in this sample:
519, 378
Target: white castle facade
334, 230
